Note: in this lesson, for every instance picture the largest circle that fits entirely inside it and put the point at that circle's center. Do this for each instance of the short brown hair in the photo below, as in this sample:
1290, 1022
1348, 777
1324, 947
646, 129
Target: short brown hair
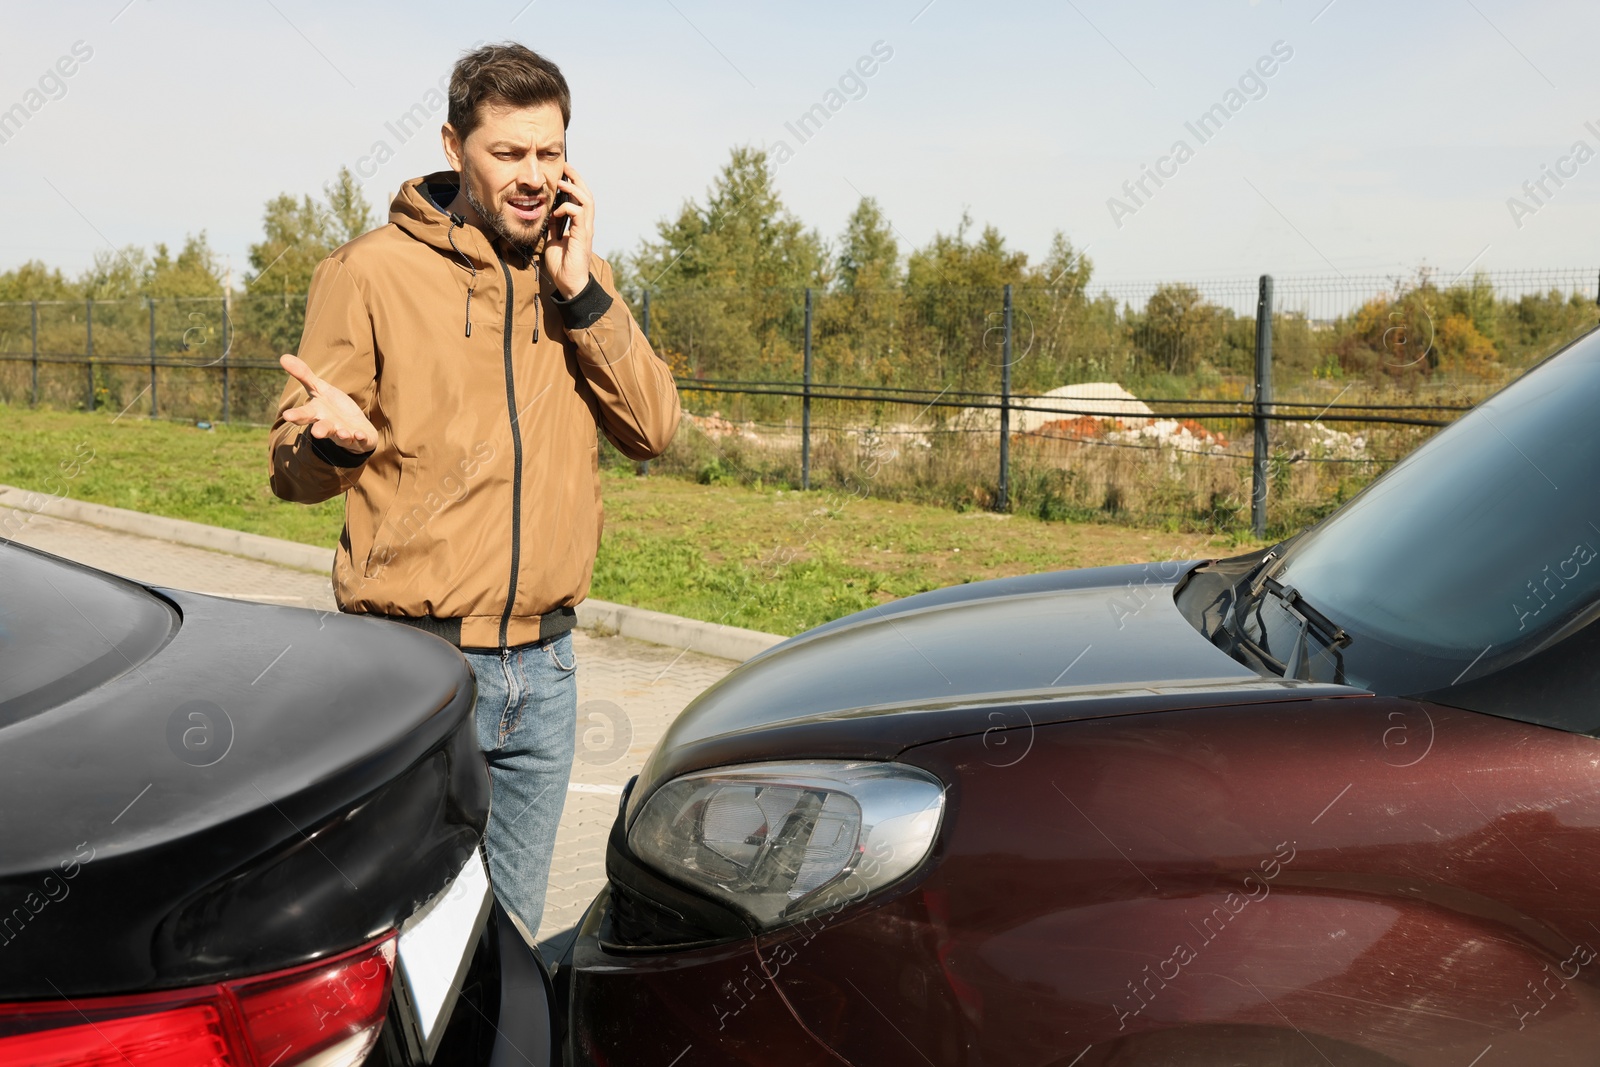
504, 74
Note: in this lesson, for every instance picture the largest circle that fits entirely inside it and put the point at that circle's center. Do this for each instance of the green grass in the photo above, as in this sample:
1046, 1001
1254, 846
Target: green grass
766, 559
216, 476
784, 561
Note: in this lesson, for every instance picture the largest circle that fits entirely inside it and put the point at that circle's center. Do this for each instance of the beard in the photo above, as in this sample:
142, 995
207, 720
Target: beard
523, 238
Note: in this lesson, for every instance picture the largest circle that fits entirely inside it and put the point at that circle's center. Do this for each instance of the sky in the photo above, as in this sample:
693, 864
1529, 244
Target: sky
1387, 136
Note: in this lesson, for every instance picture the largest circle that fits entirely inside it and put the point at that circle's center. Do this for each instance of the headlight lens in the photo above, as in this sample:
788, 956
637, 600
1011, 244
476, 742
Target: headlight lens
780, 841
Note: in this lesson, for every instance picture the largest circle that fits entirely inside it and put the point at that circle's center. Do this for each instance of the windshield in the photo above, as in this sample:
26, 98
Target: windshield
1475, 550
65, 629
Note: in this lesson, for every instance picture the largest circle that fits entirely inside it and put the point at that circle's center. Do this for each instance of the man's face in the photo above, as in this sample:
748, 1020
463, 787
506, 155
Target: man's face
509, 166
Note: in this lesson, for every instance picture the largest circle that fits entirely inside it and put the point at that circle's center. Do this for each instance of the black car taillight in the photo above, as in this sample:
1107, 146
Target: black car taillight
328, 1012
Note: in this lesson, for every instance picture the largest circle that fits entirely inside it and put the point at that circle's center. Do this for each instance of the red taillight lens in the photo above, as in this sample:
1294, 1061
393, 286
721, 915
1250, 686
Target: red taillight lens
331, 1010
343, 1002
190, 1036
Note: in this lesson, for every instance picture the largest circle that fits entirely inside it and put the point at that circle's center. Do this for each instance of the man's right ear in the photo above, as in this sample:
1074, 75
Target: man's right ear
452, 146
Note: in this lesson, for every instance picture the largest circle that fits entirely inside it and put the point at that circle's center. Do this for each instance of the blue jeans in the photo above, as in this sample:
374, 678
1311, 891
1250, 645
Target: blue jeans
527, 713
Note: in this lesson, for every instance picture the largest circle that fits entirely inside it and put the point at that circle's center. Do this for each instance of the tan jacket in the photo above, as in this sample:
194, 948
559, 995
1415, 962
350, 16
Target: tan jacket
481, 502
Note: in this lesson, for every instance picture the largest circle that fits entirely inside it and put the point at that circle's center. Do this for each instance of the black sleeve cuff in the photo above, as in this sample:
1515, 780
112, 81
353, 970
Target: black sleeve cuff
337, 455
585, 309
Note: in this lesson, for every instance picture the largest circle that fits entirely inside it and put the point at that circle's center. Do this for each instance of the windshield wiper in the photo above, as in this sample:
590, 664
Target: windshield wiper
1270, 564
1307, 620
1232, 623
1334, 637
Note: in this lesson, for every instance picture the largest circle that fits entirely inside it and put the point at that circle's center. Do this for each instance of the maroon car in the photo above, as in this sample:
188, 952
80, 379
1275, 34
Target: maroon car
1336, 802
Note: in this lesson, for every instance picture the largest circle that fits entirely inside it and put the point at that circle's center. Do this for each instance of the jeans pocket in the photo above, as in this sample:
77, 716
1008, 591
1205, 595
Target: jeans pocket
555, 649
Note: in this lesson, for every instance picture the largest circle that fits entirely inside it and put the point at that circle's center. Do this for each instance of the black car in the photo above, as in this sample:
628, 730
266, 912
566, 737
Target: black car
237, 834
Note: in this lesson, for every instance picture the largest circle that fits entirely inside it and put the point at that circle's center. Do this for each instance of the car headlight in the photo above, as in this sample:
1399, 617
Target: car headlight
781, 841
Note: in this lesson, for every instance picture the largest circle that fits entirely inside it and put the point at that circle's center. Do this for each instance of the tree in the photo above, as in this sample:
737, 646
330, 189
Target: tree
116, 274
298, 235
954, 261
744, 236
1179, 329
33, 281
351, 215
194, 273
855, 320
954, 289
1064, 269
1062, 337
868, 256
36, 281
1537, 321
735, 268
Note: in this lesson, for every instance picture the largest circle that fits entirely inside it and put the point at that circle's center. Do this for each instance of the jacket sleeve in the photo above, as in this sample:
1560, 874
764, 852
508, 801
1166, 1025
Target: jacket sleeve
638, 400
337, 345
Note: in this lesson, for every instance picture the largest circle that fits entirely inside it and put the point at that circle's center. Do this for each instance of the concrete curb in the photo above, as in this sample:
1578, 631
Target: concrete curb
674, 631
195, 534
657, 627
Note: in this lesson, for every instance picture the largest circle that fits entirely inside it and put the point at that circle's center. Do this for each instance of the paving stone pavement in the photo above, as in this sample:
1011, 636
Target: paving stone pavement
628, 691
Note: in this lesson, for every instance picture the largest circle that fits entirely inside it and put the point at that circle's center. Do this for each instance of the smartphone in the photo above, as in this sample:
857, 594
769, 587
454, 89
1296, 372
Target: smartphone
558, 226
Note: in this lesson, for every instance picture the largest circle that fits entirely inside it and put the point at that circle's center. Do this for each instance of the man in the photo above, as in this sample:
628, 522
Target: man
454, 368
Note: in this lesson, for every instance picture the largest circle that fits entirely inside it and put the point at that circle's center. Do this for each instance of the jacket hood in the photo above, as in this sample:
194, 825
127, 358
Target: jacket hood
422, 209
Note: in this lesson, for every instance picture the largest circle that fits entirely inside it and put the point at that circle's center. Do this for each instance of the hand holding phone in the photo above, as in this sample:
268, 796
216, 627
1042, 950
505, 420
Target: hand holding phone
567, 252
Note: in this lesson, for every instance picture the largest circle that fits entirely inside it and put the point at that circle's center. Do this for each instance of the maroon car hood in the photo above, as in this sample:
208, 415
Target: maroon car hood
1045, 648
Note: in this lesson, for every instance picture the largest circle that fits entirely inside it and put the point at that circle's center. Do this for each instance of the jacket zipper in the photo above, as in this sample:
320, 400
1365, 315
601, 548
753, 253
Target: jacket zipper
516, 459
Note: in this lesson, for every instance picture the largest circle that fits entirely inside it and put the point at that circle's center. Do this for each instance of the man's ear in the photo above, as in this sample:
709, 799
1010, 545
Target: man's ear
452, 146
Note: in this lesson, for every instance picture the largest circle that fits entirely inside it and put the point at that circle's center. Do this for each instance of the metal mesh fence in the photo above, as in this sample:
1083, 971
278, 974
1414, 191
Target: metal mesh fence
176, 358
1128, 401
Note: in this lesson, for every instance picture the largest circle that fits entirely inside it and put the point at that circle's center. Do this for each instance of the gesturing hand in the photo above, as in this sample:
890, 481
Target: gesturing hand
329, 412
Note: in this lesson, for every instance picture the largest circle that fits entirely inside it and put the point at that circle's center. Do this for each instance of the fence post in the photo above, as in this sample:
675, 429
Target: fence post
1004, 501
1261, 408
805, 405
152, 357
642, 468
34, 334
88, 325
226, 301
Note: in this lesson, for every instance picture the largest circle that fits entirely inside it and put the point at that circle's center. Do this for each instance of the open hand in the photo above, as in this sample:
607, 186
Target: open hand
329, 412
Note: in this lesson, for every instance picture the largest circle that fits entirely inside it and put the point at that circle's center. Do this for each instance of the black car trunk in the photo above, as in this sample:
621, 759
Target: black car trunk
252, 788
